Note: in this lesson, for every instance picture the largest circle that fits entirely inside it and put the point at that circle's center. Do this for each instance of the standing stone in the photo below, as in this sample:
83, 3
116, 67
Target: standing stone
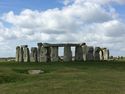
33, 55
54, 54
26, 55
38, 51
90, 53
48, 54
96, 53
106, 53
101, 54
84, 50
17, 53
67, 53
43, 54
21, 55
78, 53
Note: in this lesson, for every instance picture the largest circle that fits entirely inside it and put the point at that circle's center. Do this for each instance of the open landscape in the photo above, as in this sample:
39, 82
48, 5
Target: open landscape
107, 77
62, 47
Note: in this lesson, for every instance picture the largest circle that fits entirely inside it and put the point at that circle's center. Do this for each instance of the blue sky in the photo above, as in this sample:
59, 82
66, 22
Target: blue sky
98, 23
19, 5
121, 10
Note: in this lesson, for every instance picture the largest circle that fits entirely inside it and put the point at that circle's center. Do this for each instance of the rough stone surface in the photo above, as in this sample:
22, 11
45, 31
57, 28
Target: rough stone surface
54, 54
33, 55
106, 54
101, 54
67, 53
26, 55
21, 55
96, 53
78, 53
90, 53
33, 72
24, 46
38, 51
17, 53
43, 54
60, 45
49, 52
84, 50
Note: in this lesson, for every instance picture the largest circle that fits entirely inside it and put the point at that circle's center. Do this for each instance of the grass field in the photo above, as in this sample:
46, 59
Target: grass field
63, 78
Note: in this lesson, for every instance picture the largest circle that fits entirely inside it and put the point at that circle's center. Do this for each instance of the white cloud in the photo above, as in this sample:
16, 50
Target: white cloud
82, 21
102, 2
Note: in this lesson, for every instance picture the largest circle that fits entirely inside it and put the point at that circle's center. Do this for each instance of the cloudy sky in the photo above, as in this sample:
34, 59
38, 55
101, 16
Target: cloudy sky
96, 22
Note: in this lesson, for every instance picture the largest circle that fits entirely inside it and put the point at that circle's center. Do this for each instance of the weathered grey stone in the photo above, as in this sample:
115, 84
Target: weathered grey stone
38, 51
23, 46
33, 54
101, 55
67, 53
21, 59
78, 53
84, 50
97, 53
44, 54
49, 52
105, 53
108, 53
17, 53
90, 53
33, 72
59, 45
26, 55
54, 54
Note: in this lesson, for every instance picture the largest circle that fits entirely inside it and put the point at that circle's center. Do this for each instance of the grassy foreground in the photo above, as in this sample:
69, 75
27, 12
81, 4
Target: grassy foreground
63, 78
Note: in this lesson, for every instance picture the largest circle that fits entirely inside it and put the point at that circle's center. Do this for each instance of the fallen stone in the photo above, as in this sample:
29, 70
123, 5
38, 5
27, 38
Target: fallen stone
33, 72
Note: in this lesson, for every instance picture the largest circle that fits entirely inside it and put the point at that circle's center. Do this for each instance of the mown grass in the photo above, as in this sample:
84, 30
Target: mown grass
63, 78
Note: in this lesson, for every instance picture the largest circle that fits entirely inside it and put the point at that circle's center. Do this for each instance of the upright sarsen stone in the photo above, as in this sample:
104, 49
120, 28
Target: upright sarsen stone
84, 50
101, 54
33, 55
26, 55
54, 54
108, 54
105, 53
21, 59
67, 53
90, 53
43, 54
97, 53
17, 53
78, 53
38, 51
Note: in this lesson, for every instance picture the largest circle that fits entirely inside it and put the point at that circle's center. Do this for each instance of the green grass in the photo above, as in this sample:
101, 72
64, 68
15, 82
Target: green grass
63, 78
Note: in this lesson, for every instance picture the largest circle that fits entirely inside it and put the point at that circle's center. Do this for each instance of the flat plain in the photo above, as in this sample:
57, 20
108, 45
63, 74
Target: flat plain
106, 77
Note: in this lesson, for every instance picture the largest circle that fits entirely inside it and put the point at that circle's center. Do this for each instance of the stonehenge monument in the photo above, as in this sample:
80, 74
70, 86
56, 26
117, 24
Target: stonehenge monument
45, 52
